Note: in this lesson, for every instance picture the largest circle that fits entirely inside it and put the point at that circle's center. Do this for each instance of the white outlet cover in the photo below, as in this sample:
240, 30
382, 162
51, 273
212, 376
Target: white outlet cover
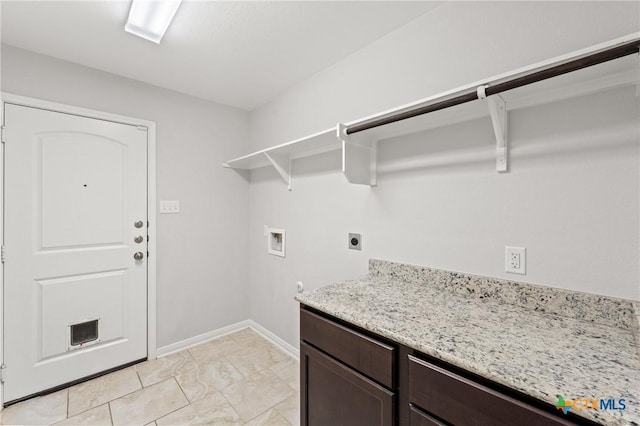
515, 260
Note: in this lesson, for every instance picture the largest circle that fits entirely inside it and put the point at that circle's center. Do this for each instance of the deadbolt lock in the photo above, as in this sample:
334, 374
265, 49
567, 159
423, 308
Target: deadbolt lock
138, 224
138, 239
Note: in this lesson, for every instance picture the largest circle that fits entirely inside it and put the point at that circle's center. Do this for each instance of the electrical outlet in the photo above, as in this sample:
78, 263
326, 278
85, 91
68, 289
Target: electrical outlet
355, 241
515, 260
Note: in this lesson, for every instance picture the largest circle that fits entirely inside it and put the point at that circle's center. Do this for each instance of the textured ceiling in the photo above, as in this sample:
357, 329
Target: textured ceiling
238, 53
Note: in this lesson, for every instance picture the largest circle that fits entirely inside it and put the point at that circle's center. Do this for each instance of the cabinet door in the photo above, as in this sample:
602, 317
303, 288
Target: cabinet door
334, 394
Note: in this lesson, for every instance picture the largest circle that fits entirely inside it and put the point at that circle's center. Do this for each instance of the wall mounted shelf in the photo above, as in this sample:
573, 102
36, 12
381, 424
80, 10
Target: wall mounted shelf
598, 68
280, 156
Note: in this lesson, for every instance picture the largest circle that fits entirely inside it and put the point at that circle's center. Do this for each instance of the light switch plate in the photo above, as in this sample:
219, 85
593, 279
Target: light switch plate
169, 207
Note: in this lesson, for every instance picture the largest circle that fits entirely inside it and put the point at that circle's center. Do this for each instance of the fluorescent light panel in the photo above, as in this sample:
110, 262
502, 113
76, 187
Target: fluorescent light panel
150, 19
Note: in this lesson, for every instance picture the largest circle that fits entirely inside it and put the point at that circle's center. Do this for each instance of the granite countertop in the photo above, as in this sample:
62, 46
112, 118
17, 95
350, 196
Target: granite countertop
541, 341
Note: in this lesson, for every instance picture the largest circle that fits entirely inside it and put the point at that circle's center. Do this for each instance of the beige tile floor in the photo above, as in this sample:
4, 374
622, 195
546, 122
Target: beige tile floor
239, 379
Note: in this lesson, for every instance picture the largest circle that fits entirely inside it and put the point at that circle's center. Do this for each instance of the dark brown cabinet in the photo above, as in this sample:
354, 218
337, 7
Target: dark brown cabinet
371, 357
346, 377
418, 417
335, 394
352, 377
463, 402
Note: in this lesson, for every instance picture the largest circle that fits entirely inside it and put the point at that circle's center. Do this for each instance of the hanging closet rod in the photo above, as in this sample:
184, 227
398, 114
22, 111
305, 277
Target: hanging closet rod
502, 86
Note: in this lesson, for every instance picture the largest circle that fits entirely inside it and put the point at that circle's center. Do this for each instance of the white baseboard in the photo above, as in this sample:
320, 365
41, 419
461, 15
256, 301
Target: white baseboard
202, 338
205, 337
287, 348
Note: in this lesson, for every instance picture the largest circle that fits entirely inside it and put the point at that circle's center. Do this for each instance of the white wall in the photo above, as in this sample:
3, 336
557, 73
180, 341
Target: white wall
202, 261
571, 197
454, 44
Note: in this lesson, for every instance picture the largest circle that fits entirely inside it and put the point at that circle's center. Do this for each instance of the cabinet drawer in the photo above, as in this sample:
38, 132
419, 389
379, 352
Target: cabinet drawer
366, 355
420, 418
462, 402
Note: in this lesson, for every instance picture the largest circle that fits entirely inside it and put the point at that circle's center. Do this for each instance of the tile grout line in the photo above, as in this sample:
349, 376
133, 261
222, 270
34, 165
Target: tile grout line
50, 424
169, 413
282, 414
182, 390
223, 357
255, 349
242, 346
177, 409
110, 413
165, 380
278, 411
211, 390
273, 407
138, 376
234, 408
114, 399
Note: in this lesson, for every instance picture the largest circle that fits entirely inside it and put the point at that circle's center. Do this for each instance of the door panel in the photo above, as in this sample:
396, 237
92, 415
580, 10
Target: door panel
87, 171
74, 187
102, 297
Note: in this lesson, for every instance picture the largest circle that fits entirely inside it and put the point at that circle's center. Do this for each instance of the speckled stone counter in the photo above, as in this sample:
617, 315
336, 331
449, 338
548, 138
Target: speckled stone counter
542, 341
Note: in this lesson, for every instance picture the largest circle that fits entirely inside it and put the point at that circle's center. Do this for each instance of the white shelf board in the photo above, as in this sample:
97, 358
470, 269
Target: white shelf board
359, 149
608, 75
316, 143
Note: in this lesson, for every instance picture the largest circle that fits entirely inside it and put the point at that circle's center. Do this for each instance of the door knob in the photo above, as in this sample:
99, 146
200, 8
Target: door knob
138, 255
138, 224
138, 239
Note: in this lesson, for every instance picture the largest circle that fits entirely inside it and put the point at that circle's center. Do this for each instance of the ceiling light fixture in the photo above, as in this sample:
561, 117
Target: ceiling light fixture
150, 19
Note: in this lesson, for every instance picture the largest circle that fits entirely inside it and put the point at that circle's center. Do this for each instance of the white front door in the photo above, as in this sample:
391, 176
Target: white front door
75, 298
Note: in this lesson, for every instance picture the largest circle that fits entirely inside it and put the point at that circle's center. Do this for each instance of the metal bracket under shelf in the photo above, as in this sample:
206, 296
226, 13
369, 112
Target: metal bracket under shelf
499, 119
359, 157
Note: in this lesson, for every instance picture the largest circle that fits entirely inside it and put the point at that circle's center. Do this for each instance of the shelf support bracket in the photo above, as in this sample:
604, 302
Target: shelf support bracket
359, 159
282, 164
498, 112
